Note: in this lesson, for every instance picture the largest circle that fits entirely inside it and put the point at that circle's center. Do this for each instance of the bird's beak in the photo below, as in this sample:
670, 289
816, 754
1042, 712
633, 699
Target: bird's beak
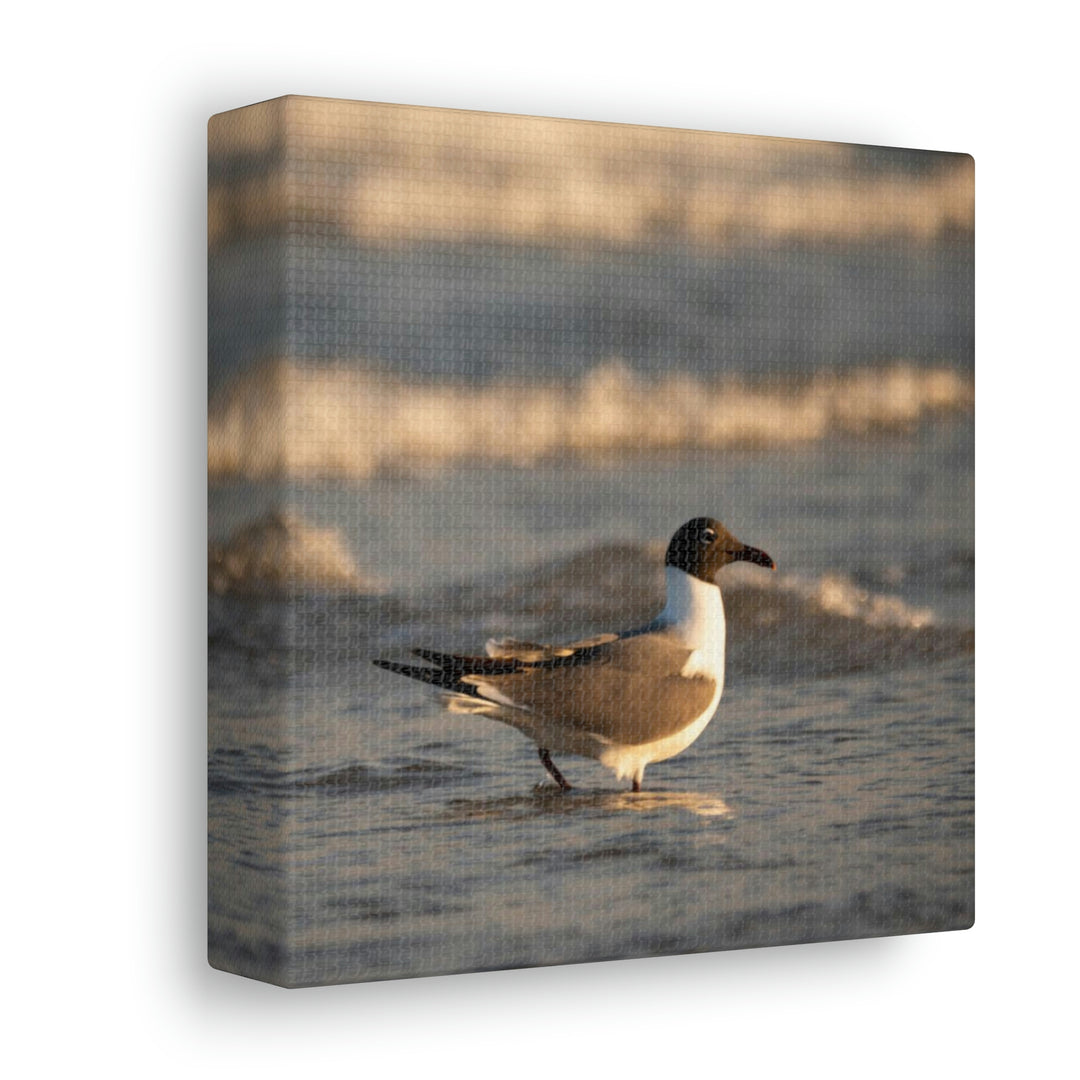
754, 555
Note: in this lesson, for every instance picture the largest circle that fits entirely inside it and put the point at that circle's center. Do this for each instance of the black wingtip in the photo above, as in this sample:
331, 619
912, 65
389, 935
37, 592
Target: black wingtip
403, 669
433, 657
442, 678
398, 669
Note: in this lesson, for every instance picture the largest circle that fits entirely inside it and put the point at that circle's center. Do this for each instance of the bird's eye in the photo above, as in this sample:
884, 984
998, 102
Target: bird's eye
709, 535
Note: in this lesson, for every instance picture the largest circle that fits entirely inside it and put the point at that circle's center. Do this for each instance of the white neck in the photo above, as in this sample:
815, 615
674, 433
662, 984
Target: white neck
694, 611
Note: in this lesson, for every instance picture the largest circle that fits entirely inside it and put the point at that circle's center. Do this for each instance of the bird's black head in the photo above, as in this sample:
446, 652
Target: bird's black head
702, 546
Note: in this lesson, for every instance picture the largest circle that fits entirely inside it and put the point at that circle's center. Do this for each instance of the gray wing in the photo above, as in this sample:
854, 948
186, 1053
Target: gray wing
507, 657
629, 690
533, 652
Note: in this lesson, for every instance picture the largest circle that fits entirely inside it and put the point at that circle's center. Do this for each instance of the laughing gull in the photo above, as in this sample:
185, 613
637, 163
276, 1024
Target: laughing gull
625, 699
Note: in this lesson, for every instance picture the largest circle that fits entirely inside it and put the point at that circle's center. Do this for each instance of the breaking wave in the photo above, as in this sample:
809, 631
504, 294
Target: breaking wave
290, 420
389, 174
783, 625
279, 555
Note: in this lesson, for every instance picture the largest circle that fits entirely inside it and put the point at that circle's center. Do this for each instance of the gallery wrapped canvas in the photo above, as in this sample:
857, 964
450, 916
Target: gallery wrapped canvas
591, 541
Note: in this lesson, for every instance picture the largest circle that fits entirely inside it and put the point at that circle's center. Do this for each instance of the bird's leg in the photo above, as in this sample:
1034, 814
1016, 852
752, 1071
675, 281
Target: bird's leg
545, 757
637, 785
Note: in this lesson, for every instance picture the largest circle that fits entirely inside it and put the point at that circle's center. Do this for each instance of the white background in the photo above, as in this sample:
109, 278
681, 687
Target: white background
103, 446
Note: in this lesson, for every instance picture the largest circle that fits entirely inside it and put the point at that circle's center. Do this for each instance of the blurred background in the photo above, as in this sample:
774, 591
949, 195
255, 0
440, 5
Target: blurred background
455, 276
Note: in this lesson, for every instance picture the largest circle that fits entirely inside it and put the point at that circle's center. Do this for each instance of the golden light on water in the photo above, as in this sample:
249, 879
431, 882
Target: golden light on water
287, 419
388, 174
692, 802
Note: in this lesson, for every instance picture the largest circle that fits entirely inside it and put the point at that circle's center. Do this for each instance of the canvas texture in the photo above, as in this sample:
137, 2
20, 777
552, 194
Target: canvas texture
591, 541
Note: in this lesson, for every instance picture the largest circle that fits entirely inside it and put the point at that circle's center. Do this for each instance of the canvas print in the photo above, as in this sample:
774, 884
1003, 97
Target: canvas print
591, 541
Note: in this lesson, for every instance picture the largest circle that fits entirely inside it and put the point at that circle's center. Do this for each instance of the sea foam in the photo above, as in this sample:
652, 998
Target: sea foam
286, 419
280, 554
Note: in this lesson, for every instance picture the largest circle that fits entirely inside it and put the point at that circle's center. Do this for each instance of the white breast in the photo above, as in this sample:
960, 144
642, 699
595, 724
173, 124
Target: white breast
695, 614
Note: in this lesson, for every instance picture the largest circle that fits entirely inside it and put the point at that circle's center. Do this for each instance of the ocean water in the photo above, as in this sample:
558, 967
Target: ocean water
358, 831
